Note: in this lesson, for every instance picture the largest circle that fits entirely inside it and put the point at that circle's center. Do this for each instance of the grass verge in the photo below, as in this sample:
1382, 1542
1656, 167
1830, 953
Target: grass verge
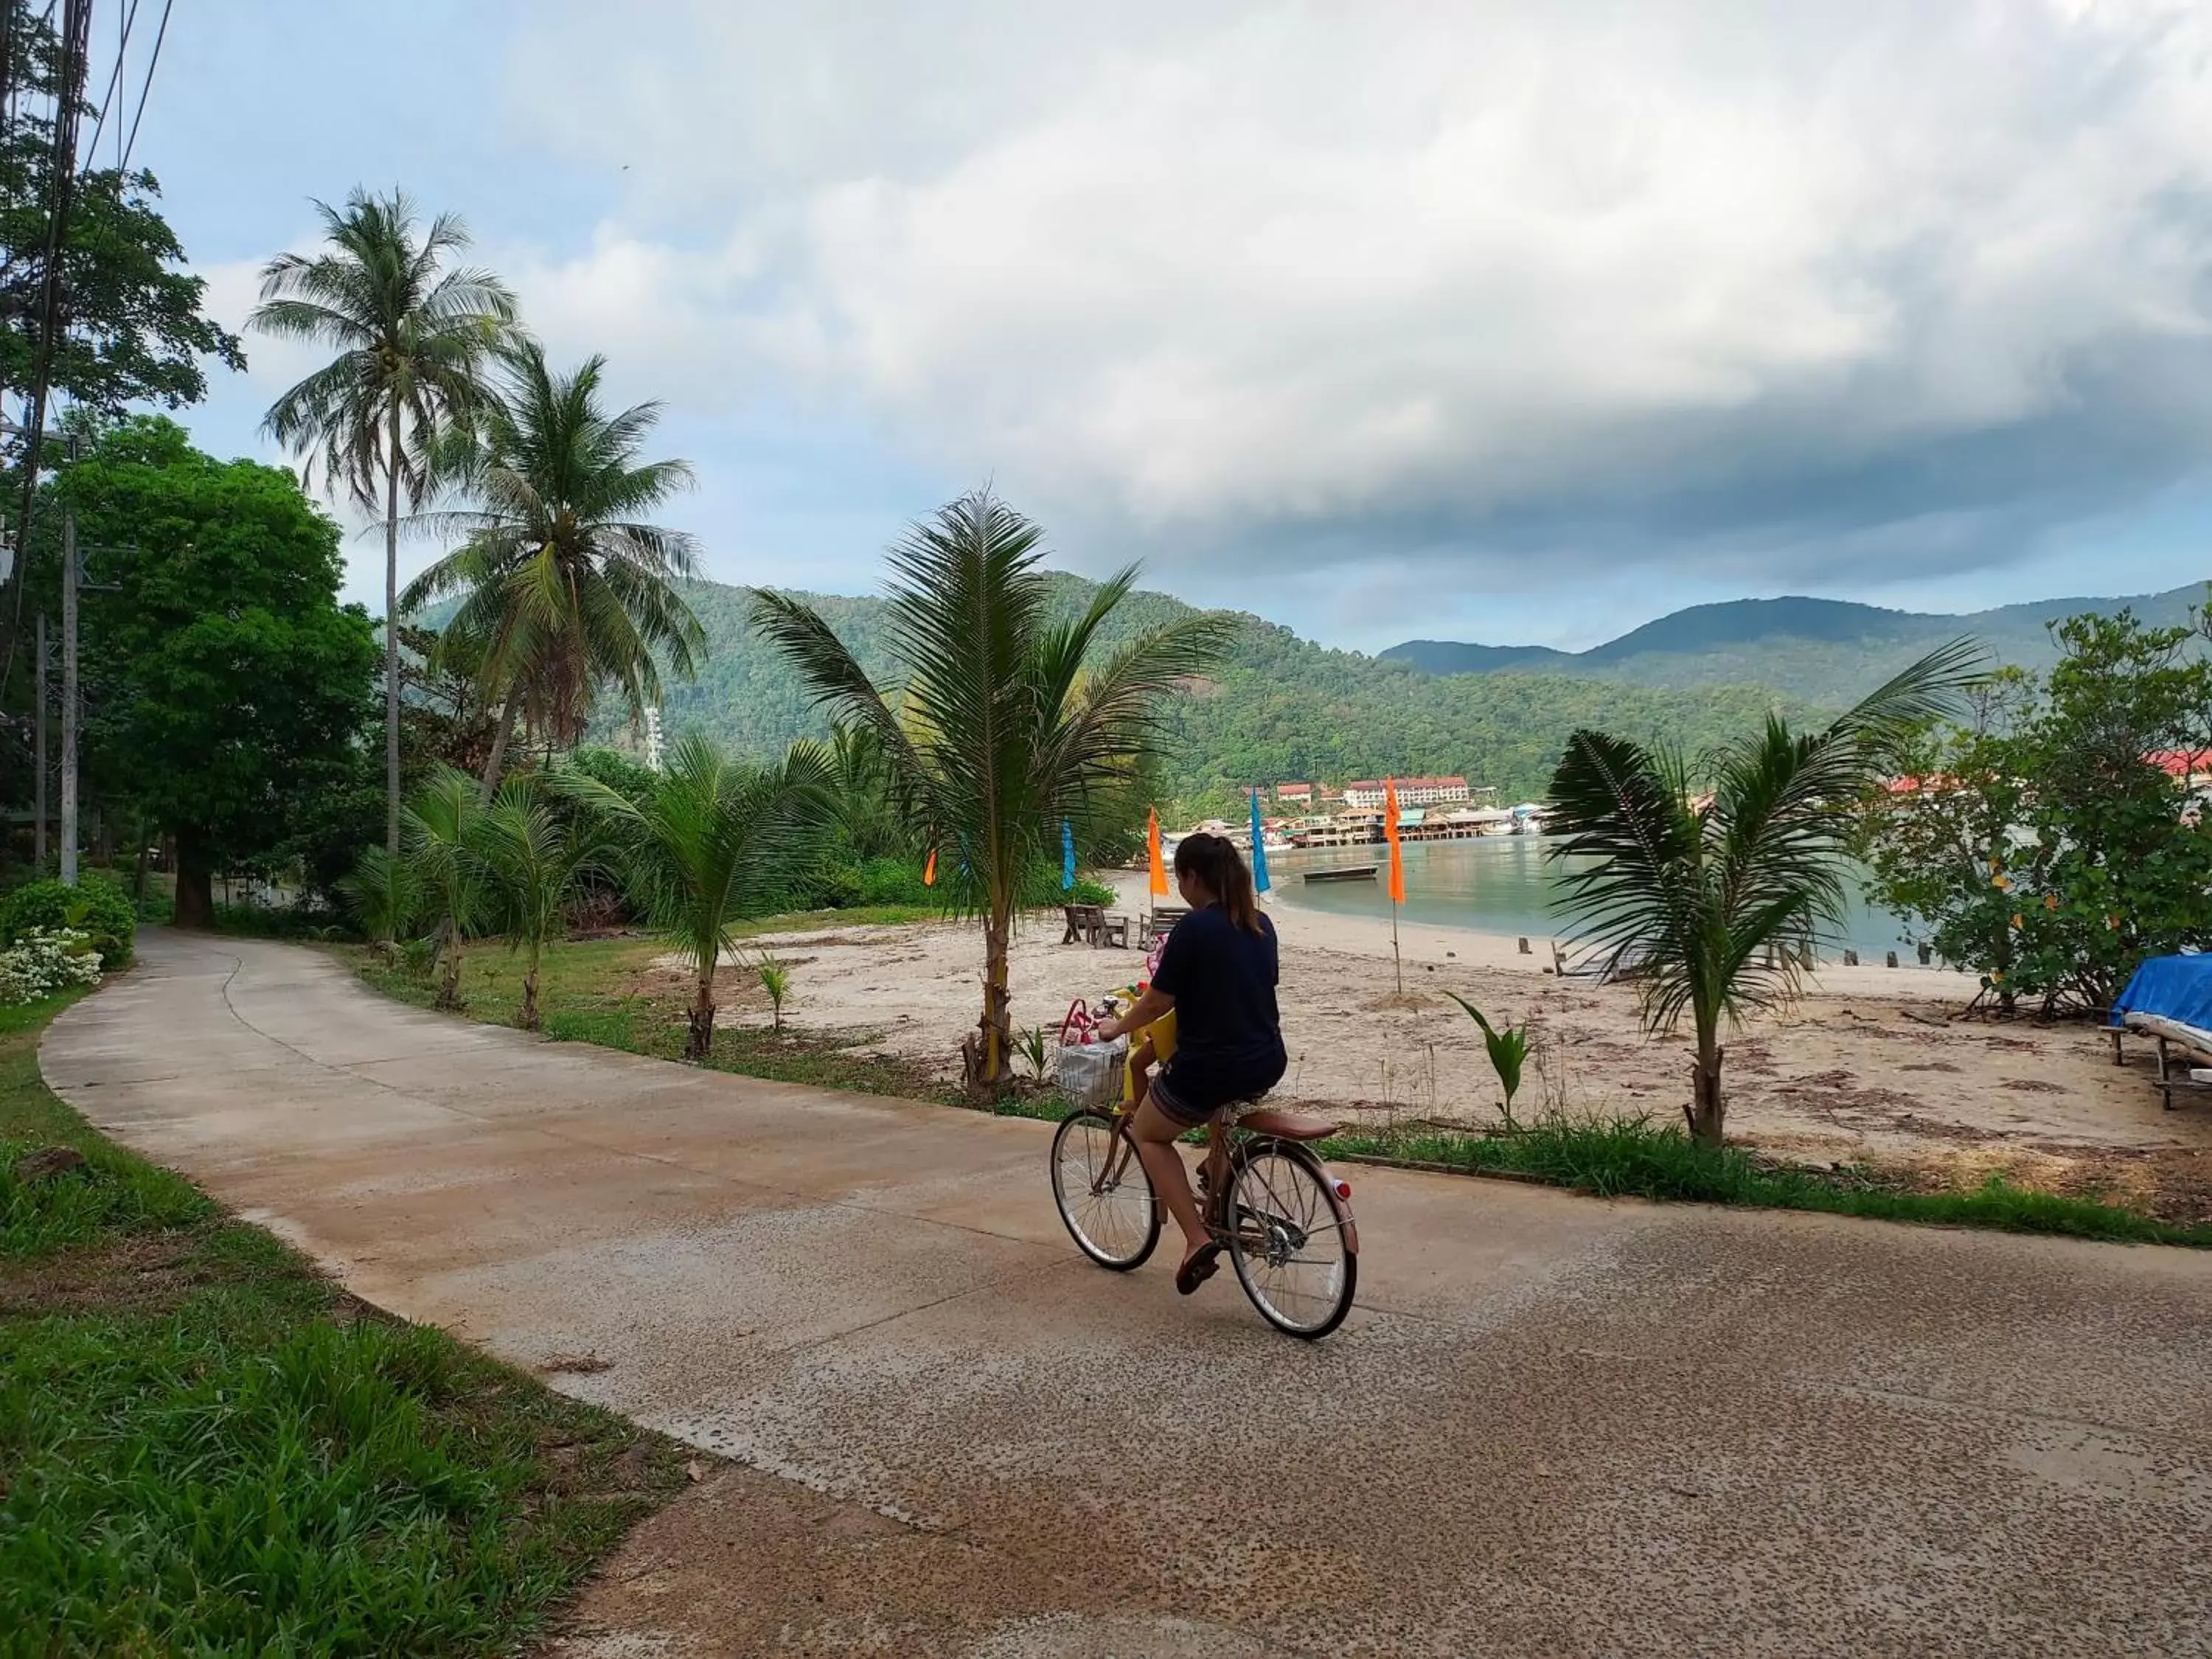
1632, 1158
206, 1446
589, 991
589, 995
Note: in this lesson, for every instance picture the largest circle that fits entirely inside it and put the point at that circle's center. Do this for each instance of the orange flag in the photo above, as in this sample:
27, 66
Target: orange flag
929, 870
1159, 865
1390, 835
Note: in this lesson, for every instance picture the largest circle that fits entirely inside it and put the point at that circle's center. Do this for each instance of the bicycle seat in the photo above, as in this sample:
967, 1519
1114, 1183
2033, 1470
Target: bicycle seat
1286, 1125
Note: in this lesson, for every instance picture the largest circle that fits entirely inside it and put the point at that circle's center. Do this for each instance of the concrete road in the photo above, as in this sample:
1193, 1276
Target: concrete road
1553, 1426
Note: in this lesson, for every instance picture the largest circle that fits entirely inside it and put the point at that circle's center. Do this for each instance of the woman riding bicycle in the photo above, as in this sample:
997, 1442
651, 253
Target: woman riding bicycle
1218, 973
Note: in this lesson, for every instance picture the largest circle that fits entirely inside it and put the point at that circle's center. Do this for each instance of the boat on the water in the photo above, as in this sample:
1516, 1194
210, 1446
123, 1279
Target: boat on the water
1343, 873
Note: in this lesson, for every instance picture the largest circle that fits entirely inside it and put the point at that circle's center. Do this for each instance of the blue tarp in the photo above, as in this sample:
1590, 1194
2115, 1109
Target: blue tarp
2179, 988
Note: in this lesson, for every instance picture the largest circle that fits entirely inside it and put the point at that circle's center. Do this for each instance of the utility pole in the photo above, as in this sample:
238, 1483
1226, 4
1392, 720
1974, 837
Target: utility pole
68, 690
38, 740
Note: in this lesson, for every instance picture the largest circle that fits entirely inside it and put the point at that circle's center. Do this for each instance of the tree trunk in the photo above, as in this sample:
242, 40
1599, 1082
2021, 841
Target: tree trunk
499, 740
701, 1036
145, 856
1707, 1111
529, 1019
986, 1062
449, 979
391, 635
195, 883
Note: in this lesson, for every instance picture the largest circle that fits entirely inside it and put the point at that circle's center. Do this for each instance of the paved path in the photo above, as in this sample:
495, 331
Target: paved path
1554, 1425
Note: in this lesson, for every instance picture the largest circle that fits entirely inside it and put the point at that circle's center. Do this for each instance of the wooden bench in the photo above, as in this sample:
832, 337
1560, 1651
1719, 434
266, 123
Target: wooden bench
1162, 920
1085, 923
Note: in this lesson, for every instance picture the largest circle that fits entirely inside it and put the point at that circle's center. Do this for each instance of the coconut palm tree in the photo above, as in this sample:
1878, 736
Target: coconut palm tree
443, 836
1008, 722
411, 336
384, 894
714, 842
537, 859
565, 585
1688, 892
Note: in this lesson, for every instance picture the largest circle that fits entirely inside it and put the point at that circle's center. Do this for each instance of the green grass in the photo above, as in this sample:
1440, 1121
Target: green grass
206, 1446
1630, 1157
587, 993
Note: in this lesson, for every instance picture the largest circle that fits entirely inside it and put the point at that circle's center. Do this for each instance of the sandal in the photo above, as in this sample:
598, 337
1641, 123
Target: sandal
1197, 1268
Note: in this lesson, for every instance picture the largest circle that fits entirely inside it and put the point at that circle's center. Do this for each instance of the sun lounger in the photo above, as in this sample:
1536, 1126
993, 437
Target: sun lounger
2169, 1000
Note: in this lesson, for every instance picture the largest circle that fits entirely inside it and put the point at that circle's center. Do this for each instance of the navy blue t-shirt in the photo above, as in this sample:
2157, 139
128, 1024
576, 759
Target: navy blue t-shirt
1229, 1038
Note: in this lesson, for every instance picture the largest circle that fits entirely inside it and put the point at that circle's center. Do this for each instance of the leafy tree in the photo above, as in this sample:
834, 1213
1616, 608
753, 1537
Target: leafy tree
132, 330
2051, 850
1008, 722
1690, 893
536, 861
234, 683
714, 841
411, 336
564, 584
442, 845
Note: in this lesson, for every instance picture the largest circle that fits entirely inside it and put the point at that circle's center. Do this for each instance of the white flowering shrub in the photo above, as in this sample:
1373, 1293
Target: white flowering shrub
46, 960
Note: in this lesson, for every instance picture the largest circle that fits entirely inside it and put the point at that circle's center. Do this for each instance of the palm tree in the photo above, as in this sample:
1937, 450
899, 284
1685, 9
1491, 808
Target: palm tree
566, 586
714, 842
384, 894
536, 861
1689, 894
411, 336
1008, 722
442, 847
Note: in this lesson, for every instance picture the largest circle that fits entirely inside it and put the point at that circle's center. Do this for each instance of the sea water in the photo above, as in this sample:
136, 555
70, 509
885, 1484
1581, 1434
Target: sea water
1504, 884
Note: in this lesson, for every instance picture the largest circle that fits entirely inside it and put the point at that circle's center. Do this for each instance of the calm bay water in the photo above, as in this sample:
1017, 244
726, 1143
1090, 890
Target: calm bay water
1496, 884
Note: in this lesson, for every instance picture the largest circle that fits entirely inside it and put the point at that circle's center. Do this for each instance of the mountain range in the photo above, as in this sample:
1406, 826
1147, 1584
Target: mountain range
1281, 708
1827, 652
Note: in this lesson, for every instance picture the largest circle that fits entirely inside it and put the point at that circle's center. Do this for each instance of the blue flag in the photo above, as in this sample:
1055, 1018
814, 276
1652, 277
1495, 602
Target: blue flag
1066, 856
1259, 849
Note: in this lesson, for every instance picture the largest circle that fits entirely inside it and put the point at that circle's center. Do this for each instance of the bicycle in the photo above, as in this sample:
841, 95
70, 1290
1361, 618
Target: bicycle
1284, 1220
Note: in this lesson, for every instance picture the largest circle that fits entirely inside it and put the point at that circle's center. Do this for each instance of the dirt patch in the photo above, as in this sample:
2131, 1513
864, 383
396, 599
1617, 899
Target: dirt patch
150, 1275
2032, 1086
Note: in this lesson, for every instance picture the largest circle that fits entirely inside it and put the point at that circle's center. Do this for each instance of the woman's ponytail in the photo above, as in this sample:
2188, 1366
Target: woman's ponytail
1214, 860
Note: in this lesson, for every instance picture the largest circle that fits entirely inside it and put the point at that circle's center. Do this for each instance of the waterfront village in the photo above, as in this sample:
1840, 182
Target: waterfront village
1316, 815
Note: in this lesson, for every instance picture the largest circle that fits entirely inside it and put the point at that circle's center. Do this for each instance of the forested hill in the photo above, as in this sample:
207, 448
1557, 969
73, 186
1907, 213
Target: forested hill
1281, 707
1826, 651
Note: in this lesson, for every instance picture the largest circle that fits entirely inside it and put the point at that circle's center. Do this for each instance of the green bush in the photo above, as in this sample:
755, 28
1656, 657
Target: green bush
96, 906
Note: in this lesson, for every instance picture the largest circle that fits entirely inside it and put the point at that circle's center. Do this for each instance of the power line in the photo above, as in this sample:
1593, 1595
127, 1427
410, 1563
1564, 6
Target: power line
108, 99
76, 25
159, 35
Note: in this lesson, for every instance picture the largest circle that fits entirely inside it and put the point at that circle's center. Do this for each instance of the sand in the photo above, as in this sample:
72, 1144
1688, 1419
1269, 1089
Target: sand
1869, 1065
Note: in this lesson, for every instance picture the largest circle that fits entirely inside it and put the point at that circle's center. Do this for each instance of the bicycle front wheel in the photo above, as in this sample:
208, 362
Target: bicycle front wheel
1105, 1197
1290, 1242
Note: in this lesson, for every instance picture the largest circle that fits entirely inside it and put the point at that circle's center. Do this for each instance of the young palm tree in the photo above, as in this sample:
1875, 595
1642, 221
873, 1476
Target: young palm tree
384, 896
712, 842
1008, 722
411, 336
441, 826
535, 860
566, 586
1689, 894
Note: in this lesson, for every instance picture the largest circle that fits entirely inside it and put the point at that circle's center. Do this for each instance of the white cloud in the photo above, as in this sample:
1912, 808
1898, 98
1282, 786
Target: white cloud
1860, 284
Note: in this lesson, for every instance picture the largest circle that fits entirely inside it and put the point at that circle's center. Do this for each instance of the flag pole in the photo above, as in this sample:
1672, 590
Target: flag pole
1397, 874
1396, 961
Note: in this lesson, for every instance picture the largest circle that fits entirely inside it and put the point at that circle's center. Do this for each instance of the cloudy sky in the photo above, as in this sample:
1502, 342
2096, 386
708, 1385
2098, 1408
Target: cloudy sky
1486, 321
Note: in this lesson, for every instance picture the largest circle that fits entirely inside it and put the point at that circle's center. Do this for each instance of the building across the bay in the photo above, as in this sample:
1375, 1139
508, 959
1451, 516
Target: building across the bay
1412, 792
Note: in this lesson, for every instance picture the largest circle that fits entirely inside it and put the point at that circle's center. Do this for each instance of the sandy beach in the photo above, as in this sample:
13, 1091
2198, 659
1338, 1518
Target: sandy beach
1869, 1065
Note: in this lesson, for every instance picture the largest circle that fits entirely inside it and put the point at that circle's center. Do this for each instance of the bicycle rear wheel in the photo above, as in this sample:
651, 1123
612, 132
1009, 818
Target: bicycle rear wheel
1104, 1197
1290, 1240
